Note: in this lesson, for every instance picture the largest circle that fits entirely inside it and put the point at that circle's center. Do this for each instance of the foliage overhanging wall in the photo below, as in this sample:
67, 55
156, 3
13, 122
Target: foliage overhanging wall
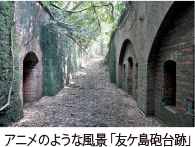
54, 56
66, 54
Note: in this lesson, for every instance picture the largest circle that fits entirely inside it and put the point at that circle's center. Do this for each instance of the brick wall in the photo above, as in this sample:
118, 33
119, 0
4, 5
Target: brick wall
30, 80
30, 17
14, 111
66, 54
147, 25
177, 45
45, 59
129, 74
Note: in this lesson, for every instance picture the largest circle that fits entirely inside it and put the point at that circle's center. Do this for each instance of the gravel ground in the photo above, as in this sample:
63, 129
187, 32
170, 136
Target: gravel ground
90, 100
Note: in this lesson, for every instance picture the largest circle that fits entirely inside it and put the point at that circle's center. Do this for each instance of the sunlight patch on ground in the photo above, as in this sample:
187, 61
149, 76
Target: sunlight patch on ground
96, 60
66, 87
71, 82
80, 73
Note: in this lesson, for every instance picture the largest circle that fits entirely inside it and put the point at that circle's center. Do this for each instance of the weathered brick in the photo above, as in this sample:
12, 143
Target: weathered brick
155, 40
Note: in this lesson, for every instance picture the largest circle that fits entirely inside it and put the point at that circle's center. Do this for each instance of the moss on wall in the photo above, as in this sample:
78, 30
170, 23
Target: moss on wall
63, 58
14, 111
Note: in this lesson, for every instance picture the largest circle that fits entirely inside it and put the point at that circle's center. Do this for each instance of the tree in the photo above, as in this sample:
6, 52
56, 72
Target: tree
85, 21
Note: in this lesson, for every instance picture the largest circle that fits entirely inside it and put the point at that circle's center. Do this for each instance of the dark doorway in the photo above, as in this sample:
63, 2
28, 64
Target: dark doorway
130, 75
170, 82
30, 63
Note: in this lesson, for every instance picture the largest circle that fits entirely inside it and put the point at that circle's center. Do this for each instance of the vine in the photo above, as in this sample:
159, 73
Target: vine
12, 55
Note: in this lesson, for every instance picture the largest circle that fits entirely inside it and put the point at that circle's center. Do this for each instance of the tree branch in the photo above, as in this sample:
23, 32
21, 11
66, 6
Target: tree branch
67, 5
61, 21
12, 54
77, 5
96, 16
77, 11
81, 46
20, 4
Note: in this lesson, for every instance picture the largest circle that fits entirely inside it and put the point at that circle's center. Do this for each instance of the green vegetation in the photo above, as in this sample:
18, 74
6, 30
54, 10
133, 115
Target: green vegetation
89, 23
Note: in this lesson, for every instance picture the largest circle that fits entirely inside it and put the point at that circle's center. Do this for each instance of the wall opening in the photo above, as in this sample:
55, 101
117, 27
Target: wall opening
30, 80
130, 75
170, 83
120, 65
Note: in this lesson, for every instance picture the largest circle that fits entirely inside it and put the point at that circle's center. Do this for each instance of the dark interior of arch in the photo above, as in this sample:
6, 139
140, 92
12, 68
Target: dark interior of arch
170, 82
130, 75
126, 42
30, 77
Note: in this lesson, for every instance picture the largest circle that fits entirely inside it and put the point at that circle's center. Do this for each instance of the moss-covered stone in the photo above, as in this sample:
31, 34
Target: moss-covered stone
14, 111
63, 52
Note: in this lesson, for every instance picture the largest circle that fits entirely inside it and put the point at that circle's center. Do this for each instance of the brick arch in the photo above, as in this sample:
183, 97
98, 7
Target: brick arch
30, 77
167, 46
121, 56
127, 75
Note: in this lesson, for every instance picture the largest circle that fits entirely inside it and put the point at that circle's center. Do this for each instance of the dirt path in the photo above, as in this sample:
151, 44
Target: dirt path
90, 100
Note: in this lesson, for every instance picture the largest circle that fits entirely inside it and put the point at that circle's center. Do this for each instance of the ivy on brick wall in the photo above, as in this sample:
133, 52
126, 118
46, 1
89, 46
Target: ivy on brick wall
85, 22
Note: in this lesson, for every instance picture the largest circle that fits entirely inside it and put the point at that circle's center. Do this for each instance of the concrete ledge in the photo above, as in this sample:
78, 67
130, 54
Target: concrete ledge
141, 111
164, 125
170, 109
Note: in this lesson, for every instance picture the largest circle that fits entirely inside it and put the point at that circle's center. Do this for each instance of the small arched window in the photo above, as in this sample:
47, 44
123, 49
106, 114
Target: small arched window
170, 83
130, 76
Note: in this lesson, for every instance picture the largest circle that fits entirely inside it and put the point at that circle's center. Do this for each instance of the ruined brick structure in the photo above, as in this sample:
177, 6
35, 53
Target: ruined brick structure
151, 57
45, 59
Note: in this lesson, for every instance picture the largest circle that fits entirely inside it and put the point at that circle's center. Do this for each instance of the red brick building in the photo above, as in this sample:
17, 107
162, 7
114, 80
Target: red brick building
151, 57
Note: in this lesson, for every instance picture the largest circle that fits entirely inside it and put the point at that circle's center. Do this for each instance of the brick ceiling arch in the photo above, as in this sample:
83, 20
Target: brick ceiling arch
165, 25
122, 51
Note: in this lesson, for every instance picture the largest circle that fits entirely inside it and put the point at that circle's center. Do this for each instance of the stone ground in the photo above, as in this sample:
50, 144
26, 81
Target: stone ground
90, 100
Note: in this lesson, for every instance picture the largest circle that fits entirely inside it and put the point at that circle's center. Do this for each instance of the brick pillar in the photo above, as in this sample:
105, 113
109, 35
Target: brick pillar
119, 76
150, 88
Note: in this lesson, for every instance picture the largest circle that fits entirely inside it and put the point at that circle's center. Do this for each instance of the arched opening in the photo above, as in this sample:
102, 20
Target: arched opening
130, 75
127, 75
168, 95
30, 63
155, 67
120, 68
170, 83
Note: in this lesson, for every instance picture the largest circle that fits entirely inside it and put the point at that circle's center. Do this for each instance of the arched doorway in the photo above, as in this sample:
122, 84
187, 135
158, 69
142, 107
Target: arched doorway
130, 75
30, 79
127, 69
120, 64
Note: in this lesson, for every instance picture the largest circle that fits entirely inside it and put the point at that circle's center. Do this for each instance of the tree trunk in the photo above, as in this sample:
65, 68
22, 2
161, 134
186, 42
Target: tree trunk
102, 51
